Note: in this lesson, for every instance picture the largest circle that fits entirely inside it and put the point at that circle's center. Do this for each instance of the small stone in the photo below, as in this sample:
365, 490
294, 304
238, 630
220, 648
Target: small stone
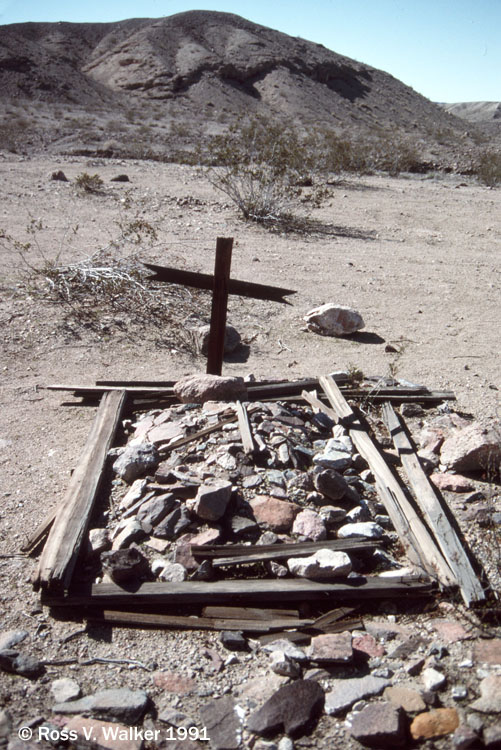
490, 695
464, 738
212, 500
345, 693
378, 725
59, 176
436, 723
173, 682
121, 704
125, 565
135, 493
331, 319
459, 692
10, 638
289, 709
232, 339
277, 515
452, 482
331, 515
175, 718
65, 689
492, 737
331, 648
414, 666
197, 389
367, 529
99, 541
135, 461
168, 571
133, 531
367, 645
334, 456
450, 631
153, 511
331, 484
173, 524
285, 744
405, 697
223, 720
22, 664
165, 433
325, 563
309, 524
287, 648
120, 178
432, 679
281, 664
233, 640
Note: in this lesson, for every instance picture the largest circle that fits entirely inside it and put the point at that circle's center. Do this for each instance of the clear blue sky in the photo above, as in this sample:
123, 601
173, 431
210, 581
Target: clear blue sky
448, 50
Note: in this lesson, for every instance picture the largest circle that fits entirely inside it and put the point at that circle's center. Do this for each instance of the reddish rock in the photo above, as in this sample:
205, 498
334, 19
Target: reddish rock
474, 448
105, 735
435, 723
405, 697
450, 631
367, 645
196, 389
276, 515
212, 500
183, 554
331, 647
173, 682
452, 482
488, 652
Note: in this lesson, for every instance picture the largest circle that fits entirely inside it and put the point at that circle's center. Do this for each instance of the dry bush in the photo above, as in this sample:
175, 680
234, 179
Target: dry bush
89, 183
488, 168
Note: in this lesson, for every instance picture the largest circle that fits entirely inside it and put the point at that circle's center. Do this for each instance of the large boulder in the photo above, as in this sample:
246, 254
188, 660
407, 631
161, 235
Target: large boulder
334, 320
197, 389
473, 448
135, 461
232, 339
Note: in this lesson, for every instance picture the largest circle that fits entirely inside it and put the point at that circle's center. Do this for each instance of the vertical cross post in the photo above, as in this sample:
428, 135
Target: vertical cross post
222, 267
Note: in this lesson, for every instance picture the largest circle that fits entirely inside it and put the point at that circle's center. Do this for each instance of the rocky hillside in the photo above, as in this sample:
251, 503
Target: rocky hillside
475, 111
195, 72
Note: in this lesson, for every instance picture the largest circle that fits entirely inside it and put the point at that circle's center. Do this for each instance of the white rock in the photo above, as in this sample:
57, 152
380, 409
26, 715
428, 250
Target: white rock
432, 679
368, 529
65, 689
325, 563
283, 665
168, 571
286, 648
334, 320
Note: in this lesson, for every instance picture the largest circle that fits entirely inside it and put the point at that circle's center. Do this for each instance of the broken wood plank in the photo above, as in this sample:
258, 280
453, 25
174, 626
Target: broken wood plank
217, 333
419, 544
222, 555
205, 281
67, 533
112, 596
250, 613
40, 534
142, 619
433, 511
333, 616
244, 427
351, 623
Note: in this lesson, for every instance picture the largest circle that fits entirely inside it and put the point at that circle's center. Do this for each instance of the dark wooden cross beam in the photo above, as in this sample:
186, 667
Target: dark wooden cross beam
222, 285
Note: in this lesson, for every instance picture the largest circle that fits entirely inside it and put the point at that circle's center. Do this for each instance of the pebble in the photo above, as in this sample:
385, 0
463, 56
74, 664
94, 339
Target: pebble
436, 723
345, 693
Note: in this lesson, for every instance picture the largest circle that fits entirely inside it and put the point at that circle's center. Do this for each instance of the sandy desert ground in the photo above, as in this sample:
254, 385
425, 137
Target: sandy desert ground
418, 256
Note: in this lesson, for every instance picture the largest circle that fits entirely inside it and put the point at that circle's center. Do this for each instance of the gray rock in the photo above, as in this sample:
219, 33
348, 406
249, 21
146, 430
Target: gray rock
286, 647
212, 500
281, 664
289, 709
464, 738
135, 461
233, 640
367, 529
334, 320
334, 456
153, 511
197, 389
223, 720
433, 679
490, 695
21, 664
378, 725
331, 515
5, 724
168, 571
345, 693
492, 737
232, 339
99, 541
65, 689
125, 565
134, 493
133, 531
120, 704
175, 718
10, 638
173, 524
331, 484
325, 563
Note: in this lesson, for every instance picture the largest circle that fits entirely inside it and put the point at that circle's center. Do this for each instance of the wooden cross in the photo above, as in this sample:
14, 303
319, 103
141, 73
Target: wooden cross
222, 285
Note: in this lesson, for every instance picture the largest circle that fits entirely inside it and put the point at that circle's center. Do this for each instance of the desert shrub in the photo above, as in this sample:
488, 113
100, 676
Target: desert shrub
488, 168
89, 183
259, 166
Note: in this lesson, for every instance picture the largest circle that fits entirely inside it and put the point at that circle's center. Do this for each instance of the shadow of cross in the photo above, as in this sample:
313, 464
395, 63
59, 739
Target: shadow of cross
222, 285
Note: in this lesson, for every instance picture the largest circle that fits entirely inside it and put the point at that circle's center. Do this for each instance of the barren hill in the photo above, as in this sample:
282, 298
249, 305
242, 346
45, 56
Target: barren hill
194, 72
475, 111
